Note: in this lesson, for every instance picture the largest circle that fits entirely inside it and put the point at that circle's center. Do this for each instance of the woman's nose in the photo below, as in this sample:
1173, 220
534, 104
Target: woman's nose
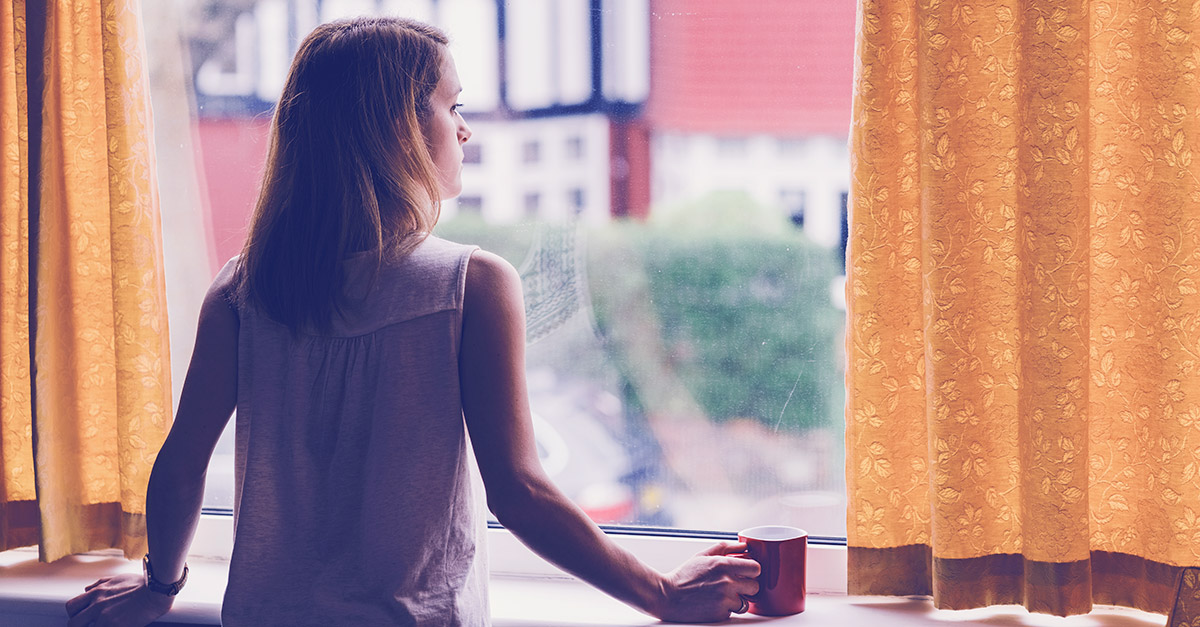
464, 133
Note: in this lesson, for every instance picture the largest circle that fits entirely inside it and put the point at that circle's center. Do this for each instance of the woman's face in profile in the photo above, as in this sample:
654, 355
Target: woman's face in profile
446, 131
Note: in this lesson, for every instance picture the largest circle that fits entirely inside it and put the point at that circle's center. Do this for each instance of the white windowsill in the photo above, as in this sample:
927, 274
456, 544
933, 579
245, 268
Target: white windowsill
32, 594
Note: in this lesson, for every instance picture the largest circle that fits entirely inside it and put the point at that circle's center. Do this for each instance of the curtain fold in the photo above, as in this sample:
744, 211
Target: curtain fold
18, 499
1023, 413
90, 253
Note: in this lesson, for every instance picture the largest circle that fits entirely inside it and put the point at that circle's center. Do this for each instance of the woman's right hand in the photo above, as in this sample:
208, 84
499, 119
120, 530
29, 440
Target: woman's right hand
118, 601
710, 586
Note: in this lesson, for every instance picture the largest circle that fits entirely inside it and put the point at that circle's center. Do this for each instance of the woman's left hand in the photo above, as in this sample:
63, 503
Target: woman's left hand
119, 601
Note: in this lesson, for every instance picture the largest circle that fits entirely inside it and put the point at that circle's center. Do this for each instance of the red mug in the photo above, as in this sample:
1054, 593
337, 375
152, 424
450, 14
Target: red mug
782, 552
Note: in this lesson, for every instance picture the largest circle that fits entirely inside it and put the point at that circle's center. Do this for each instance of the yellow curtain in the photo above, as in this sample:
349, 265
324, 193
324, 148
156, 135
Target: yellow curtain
18, 504
1023, 423
100, 390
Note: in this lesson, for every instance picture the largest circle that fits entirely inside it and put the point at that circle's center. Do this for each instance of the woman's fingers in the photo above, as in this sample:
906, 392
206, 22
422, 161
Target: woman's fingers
742, 567
743, 573
725, 548
77, 603
96, 583
746, 587
84, 617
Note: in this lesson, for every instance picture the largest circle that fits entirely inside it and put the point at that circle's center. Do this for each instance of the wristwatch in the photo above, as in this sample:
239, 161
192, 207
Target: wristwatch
169, 589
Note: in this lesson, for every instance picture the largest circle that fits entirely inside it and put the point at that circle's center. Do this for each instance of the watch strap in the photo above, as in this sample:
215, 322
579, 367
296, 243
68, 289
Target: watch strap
169, 589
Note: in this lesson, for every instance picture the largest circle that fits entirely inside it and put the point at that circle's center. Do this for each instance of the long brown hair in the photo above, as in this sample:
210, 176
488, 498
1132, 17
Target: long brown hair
348, 169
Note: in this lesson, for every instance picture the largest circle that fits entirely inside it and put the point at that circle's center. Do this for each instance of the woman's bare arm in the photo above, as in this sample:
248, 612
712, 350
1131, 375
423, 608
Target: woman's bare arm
496, 406
207, 401
176, 488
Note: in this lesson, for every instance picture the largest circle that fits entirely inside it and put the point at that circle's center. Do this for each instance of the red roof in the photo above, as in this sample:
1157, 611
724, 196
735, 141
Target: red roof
783, 67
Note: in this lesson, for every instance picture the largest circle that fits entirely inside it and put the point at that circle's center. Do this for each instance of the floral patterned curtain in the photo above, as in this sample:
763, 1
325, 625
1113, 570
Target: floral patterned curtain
1023, 422
83, 417
18, 500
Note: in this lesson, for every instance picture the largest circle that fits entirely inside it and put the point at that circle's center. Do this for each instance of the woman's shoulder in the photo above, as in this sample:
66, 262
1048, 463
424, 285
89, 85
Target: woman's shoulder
224, 284
490, 267
491, 280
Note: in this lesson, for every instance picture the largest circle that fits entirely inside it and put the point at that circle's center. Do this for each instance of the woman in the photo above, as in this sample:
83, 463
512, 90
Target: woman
359, 353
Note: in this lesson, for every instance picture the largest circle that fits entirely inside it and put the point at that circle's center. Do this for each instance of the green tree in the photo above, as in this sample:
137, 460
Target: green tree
739, 302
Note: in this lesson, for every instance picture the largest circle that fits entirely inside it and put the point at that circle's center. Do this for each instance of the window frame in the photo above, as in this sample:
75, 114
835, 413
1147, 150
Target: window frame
662, 549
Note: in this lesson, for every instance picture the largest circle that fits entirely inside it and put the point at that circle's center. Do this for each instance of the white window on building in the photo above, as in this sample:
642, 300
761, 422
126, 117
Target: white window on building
576, 200
733, 147
575, 147
549, 62
794, 202
533, 204
626, 49
790, 146
531, 151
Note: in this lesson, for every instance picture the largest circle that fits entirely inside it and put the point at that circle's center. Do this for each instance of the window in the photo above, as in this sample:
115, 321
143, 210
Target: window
791, 146
685, 368
531, 151
732, 146
533, 203
575, 147
793, 202
576, 200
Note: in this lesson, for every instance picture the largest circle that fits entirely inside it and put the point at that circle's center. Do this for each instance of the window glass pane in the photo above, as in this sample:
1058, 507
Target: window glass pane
669, 176
531, 76
474, 39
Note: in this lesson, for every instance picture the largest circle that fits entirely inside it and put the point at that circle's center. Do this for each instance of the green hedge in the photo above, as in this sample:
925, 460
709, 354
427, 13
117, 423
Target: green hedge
743, 315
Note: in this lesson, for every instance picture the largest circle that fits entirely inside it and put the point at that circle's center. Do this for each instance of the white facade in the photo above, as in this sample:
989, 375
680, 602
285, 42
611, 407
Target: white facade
803, 174
554, 168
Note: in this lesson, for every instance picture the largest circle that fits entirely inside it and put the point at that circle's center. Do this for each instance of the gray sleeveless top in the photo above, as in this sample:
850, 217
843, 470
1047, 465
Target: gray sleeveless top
354, 502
